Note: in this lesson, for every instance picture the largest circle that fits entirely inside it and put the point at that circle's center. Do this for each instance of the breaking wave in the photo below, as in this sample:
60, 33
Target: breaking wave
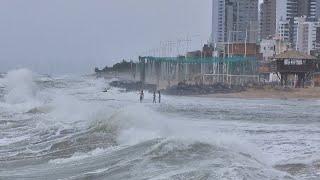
20, 86
81, 132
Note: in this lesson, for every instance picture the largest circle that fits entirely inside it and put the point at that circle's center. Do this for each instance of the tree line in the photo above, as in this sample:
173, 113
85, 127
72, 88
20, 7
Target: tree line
124, 66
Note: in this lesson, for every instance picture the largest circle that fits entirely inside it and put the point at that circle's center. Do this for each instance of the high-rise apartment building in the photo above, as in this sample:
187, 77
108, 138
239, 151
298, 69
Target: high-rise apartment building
305, 34
218, 21
275, 14
317, 9
235, 21
287, 10
307, 8
268, 18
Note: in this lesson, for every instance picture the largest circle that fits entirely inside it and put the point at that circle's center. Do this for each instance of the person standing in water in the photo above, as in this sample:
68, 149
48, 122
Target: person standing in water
141, 96
159, 94
154, 97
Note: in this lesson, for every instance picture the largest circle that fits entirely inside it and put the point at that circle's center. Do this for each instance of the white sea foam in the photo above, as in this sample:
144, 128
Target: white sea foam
7, 141
20, 86
137, 124
80, 156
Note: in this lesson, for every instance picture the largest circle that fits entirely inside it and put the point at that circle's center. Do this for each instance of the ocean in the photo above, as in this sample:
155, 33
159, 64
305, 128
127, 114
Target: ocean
66, 127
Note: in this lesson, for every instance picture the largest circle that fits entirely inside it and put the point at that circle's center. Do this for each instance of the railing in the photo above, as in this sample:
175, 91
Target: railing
200, 60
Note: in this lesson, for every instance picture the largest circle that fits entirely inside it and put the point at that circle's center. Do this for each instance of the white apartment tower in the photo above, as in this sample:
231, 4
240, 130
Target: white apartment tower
305, 34
218, 21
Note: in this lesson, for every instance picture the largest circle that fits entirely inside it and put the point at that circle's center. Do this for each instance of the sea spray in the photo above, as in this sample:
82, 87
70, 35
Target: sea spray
139, 123
20, 86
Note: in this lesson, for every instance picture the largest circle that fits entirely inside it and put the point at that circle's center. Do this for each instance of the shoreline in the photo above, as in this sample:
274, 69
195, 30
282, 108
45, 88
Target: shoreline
310, 93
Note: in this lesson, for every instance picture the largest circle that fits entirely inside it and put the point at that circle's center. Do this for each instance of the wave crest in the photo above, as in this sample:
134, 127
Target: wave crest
20, 86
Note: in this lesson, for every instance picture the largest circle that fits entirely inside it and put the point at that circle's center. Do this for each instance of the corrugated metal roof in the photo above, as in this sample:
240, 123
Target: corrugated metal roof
294, 55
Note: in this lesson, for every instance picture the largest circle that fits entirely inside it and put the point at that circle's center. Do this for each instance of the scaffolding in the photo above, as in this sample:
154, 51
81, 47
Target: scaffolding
237, 70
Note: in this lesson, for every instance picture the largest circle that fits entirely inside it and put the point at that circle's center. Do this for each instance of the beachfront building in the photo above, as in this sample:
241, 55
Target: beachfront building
268, 19
234, 21
268, 49
284, 30
305, 34
271, 47
294, 68
288, 10
277, 17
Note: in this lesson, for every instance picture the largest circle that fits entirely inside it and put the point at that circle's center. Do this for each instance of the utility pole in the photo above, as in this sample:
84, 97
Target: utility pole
245, 44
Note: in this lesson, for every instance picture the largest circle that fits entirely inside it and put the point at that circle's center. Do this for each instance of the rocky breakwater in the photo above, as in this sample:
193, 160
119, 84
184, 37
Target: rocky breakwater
133, 86
191, 89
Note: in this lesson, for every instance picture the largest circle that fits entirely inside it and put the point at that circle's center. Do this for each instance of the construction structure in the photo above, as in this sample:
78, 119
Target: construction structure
167, 71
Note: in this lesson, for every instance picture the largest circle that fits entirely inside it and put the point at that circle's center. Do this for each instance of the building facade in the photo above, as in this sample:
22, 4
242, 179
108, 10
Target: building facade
305, 34
307, 8
271, 47
218, 21
235, 21
268, 19
284, 30
288, 10
317, 9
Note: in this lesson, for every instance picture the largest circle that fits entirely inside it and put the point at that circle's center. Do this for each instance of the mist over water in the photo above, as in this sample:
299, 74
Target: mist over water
68, 128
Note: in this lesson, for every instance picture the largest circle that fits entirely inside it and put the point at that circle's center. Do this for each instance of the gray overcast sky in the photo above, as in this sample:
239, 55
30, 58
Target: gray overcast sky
73, 36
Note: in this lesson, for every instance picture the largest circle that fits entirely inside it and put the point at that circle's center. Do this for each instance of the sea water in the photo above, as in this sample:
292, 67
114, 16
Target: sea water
67, 128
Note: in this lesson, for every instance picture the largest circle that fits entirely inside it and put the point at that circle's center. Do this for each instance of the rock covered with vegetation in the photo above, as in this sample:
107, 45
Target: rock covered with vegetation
133, 86
124, 66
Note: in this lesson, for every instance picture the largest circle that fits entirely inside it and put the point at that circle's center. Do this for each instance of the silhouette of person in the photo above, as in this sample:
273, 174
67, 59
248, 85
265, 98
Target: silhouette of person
141, 96
159, 94
154, 97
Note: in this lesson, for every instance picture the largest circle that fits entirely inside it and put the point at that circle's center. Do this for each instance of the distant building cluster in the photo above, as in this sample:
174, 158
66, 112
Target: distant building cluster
275, 42
274, 25
235, 21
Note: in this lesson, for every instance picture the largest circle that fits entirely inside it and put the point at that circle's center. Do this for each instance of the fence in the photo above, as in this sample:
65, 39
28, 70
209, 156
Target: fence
171, 70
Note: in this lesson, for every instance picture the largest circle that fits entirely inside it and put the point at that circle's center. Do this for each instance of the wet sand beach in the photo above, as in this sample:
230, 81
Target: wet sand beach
301, 93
